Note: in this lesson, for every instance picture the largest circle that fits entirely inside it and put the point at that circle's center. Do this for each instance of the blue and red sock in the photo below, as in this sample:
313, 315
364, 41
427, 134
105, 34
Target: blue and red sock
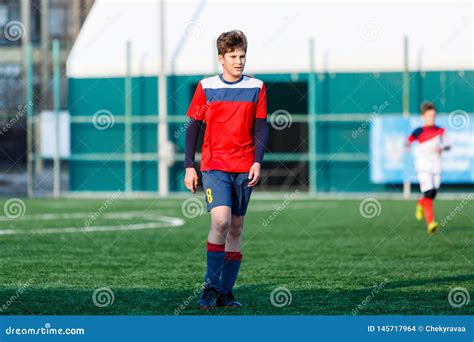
215, 263
230, 271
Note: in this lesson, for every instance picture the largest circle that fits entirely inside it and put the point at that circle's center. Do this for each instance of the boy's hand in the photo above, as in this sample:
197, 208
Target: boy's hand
254, 174
191, 179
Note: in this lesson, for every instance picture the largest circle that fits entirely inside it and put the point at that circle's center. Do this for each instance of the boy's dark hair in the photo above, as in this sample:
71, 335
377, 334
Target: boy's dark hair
426, 106
231, 40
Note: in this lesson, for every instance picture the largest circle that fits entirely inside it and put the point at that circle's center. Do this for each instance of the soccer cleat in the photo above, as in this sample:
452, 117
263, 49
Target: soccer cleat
228, 301
419, 212
432, 227
208, 298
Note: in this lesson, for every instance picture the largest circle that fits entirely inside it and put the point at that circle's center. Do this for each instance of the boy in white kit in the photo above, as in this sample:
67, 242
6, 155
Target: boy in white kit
431, 142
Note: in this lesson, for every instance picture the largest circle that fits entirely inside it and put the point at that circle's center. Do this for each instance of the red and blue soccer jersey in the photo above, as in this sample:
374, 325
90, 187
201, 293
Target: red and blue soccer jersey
229, 110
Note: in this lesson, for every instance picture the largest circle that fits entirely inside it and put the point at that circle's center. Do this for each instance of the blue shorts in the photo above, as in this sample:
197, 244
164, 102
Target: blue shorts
227, 188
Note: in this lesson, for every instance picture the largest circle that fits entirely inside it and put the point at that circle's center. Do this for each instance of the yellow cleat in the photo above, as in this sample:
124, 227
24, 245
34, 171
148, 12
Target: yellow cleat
432, 227
419, 212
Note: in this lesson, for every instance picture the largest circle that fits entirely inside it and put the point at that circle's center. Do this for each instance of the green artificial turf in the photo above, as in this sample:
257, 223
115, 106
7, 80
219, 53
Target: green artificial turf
328, 257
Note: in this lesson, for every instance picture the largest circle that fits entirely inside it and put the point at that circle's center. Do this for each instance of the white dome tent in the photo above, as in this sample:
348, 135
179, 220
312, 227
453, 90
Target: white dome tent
349, 37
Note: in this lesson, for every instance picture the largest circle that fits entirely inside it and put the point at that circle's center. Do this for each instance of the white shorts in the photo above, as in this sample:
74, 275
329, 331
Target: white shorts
429, 181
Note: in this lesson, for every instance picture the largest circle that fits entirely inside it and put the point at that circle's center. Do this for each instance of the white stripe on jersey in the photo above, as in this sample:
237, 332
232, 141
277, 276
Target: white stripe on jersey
215, 82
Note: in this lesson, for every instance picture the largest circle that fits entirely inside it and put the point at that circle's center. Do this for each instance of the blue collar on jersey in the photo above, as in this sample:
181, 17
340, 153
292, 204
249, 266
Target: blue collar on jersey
227, 82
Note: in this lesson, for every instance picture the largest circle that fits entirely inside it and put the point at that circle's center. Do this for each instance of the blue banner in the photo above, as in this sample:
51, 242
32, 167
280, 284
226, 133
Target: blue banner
390, 162
237, 328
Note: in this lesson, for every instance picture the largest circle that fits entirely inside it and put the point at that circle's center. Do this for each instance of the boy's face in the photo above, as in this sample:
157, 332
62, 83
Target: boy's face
429, 117
233, 62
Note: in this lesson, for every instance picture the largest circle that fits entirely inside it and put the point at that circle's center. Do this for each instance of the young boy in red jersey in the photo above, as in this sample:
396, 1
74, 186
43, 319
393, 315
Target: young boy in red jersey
431, 142
234, 108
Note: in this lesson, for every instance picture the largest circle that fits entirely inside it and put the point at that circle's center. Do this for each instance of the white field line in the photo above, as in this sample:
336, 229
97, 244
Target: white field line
157, 221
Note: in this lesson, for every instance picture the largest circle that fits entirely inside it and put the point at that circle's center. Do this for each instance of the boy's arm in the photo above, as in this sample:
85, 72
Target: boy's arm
192, 134
445, 144
260, 136
260, 133
412, 137
196, 112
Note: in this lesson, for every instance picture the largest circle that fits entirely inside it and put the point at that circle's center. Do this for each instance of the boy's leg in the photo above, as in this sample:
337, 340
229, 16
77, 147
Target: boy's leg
233, 256
426, 184
429, 183
428, 207
234, 234
220, 221
419, 209
431, 195
218, 193
217, 188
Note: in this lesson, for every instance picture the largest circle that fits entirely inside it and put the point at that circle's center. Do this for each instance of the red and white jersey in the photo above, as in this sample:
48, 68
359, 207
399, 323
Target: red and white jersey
428, 150
229, 110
